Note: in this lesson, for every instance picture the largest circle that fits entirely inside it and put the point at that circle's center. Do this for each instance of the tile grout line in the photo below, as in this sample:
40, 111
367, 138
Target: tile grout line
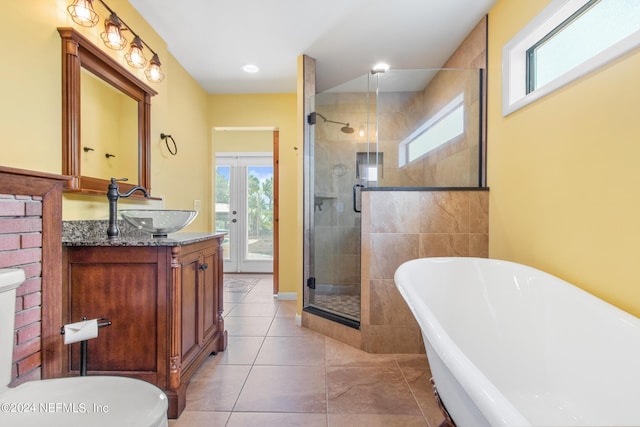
326, 363
404, 376
253, 363
326, 383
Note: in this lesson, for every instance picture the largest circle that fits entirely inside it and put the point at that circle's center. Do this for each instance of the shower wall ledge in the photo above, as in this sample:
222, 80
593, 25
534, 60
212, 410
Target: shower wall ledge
425, 189
398, 226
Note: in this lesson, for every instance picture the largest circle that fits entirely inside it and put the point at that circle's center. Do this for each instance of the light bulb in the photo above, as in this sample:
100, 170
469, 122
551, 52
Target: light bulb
112, 36
82, 13
135, 57
154, 72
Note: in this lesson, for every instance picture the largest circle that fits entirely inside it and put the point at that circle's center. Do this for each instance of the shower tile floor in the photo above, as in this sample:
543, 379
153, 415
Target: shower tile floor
275, 373
346, 305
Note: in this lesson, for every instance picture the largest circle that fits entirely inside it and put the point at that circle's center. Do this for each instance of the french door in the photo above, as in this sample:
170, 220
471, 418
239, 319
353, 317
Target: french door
244, 210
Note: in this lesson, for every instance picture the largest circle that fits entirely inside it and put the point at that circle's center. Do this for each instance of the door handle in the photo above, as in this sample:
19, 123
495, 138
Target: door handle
355, 189
204, 266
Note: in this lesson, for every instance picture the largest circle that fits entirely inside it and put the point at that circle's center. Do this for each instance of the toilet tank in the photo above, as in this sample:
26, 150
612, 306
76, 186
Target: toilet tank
10, 279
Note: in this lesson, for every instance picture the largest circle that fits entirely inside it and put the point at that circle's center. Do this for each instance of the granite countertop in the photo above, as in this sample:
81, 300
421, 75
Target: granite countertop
94, 233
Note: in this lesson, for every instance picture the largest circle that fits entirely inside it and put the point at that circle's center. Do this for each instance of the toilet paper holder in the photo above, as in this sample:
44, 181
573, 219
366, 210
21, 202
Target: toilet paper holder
102, 322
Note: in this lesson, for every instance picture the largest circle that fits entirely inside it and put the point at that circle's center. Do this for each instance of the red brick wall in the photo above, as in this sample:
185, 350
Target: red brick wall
21, 246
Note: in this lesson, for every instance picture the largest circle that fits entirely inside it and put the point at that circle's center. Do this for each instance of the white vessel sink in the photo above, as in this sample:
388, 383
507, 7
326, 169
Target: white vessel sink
158, 222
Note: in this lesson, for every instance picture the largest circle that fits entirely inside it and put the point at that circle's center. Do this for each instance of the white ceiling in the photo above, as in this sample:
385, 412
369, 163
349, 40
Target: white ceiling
213, 39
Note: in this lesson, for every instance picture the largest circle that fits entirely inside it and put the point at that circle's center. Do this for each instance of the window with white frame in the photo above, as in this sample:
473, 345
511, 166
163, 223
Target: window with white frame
567, 40
445, 125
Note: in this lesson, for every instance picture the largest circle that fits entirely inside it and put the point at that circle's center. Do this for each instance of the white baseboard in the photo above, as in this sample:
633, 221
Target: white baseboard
287, 296
298, 320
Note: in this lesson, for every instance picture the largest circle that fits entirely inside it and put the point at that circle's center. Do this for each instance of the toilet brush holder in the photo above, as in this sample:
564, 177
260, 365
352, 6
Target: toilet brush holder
82, 332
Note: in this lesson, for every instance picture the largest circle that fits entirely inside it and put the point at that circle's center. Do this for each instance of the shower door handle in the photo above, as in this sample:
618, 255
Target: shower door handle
355, 197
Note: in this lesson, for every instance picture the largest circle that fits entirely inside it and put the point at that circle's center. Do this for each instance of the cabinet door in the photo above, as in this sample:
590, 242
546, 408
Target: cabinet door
128, 286
189, 310
209, 275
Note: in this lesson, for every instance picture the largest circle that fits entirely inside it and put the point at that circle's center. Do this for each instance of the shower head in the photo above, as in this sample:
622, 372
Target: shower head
311, 119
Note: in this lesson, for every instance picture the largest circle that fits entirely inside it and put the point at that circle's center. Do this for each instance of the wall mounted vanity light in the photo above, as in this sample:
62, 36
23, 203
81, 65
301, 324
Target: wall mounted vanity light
112, 36
154, 72
83, 13
135, 58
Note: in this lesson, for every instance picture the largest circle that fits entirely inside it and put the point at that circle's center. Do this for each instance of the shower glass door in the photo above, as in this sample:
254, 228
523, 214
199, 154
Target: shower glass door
411, 129
342, 160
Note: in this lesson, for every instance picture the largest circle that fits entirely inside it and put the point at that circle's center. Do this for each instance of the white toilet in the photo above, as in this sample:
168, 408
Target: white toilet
79, 401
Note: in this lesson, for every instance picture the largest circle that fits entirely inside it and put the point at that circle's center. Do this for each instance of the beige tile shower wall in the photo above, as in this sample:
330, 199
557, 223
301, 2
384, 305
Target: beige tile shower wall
457, 162
398, 226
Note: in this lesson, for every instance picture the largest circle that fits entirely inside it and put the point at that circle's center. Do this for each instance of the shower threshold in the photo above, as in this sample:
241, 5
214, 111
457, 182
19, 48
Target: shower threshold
332, 315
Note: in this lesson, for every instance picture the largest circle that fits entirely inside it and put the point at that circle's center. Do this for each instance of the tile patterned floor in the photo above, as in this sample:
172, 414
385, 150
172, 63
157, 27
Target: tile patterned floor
275, 373
346, 305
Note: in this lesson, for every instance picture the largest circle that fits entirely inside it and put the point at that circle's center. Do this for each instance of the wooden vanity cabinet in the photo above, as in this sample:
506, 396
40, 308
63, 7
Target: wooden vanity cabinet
164, 302
199, 302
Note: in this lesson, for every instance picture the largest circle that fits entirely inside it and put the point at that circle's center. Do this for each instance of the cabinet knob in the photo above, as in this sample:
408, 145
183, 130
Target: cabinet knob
204, 266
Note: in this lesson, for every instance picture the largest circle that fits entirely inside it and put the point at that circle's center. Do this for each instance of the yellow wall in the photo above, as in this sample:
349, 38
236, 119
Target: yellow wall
245, 141
564, 172
30, 116
275, 110
30, 113
185, 177
30, 119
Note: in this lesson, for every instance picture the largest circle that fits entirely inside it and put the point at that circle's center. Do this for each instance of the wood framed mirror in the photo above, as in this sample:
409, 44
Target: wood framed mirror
84, 65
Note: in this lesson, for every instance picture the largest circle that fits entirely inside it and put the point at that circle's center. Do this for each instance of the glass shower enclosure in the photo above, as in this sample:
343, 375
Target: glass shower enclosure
398, 129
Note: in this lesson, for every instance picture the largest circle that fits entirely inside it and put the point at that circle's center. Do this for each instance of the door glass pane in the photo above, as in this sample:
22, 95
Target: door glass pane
223, 203
259, 213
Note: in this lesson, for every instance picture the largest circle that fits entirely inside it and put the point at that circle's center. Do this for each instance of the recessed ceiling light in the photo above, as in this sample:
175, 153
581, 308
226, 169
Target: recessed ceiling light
380, 67
250, 68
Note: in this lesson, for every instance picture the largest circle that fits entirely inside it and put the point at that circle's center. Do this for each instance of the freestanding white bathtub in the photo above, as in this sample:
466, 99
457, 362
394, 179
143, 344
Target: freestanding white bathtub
510, 345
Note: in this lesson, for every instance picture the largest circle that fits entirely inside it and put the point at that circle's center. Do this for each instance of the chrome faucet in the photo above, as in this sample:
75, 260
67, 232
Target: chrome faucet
113, 195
